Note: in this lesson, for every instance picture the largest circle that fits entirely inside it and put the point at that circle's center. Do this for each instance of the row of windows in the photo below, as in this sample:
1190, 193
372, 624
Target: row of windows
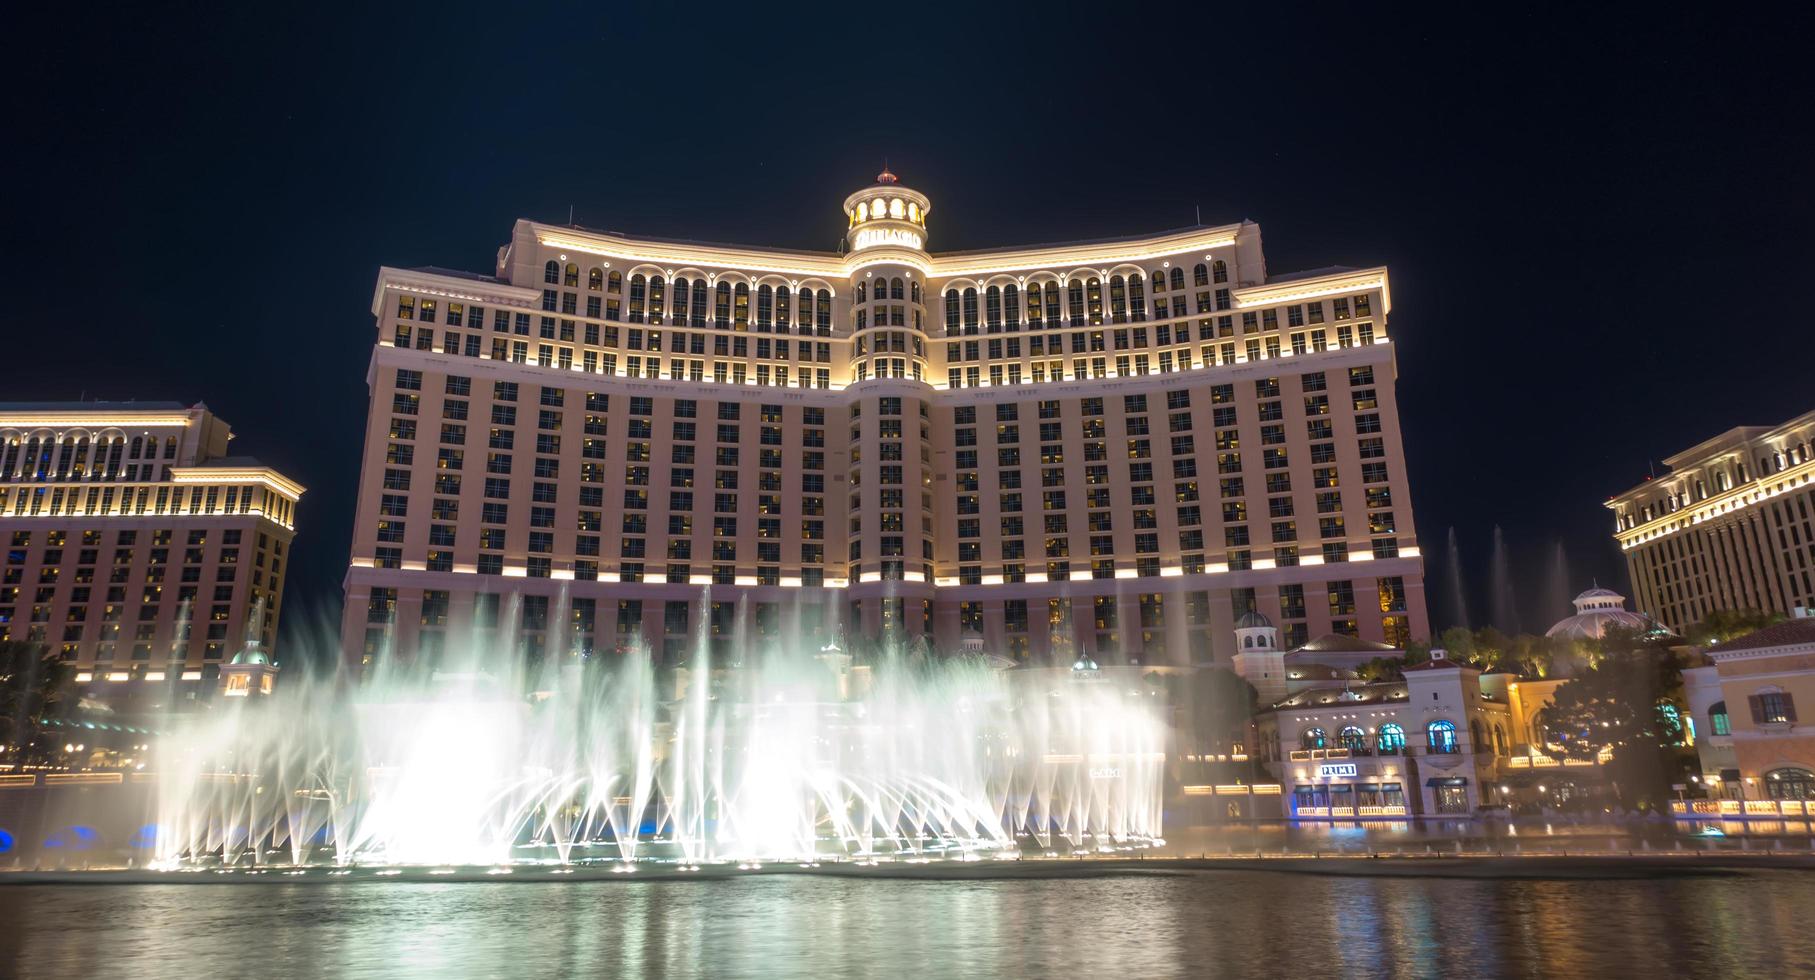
57, 459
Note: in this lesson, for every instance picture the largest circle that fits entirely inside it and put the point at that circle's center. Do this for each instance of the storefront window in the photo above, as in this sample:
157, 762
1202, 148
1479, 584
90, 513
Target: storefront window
1452, 799
1342, 796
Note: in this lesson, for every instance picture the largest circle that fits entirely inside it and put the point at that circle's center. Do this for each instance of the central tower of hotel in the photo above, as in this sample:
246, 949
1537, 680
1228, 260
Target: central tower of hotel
1116, 446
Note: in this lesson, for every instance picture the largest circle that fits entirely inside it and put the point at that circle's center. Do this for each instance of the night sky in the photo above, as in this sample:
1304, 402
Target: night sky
1597, 231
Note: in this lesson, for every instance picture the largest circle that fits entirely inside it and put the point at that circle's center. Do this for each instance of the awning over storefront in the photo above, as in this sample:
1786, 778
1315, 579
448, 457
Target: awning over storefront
1447, 781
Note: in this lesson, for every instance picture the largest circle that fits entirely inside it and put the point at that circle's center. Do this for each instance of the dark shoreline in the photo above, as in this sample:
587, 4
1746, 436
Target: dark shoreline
1541, 867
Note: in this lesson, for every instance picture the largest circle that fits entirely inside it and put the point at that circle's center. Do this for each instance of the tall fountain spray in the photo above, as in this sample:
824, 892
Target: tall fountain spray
482, 757
1505, 606
1458, 598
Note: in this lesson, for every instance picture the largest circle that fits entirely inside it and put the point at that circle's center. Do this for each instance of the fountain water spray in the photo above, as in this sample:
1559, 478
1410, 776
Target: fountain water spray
481, 759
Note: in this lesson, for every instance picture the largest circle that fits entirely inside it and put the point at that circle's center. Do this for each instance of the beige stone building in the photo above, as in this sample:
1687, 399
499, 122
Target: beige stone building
1730, 526
137, 545
1114, 446
1758, 758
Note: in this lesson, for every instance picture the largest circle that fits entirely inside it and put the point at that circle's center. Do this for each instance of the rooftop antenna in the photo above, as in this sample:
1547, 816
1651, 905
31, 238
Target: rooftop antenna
570, 216
1200, 212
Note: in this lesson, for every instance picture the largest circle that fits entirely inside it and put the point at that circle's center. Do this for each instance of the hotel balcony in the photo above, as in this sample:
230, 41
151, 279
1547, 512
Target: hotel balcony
1740, 809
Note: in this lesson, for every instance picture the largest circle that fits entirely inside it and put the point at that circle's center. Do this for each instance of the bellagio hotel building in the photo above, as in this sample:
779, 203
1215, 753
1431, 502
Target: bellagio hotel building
1114, 446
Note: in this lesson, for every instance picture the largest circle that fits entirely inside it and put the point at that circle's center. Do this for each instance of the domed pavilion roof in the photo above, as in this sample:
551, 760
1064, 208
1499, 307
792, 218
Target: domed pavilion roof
1596, 610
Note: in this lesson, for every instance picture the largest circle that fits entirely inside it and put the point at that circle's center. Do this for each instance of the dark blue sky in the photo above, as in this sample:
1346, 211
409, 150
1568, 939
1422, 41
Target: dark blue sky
1597, 223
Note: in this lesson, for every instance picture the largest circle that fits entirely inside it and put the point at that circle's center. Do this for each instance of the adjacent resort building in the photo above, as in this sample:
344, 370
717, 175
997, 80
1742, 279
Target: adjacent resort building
1116, 447
1730, 526
1757, 759
137, 545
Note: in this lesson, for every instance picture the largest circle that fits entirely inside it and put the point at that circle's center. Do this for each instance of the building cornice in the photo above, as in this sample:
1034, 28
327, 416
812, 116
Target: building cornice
1334, 284
235, 475
451, 287
1720, 656
111, 418
935, 266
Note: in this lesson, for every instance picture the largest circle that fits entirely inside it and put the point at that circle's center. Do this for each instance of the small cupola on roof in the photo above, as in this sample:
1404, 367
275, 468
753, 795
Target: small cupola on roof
886, 215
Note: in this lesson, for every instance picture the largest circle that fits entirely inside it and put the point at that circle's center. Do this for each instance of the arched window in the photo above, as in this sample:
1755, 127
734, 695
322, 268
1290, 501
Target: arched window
699, 303
1093, 294
970, 310
896, 289
951, 313
614, 282
595, 279
1390, 740
1313, 738
1248, 642
740, 313
721, 311
1718, 723
781, 309
823, 313
1475, 744
1178, 278
861, 293
1052, 305
916, 293
1353, 739
658, 298
1201, 275
1790, 784
1501, 746
992, 307
572, 277
1118, 299
1033, 305
1219, 271
681, 294
1074, 303
1159, 280
765, 308
639, 289
1011, 306
551, 273
1137, 297
1441, 736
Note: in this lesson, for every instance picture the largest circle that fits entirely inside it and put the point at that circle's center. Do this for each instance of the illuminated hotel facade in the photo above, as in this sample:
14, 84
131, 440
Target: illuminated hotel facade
136, 546
1113, 446
1731, 526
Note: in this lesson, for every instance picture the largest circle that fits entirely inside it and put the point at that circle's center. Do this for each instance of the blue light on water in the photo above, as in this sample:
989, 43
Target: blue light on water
146, 837
75, 838
6, 840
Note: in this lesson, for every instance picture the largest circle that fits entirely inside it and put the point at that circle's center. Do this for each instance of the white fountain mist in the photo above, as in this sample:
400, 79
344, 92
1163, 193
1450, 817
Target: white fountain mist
482, 759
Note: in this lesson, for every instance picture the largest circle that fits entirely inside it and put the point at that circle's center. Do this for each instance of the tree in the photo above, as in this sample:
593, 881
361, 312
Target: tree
1722, 625
1382, 669
1222, 704
35, 687
1629, 702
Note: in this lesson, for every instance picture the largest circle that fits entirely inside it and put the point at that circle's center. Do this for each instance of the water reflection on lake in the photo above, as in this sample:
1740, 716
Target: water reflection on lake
1196, 925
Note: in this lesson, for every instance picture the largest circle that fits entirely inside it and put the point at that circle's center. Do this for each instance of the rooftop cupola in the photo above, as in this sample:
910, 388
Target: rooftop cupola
886, 215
